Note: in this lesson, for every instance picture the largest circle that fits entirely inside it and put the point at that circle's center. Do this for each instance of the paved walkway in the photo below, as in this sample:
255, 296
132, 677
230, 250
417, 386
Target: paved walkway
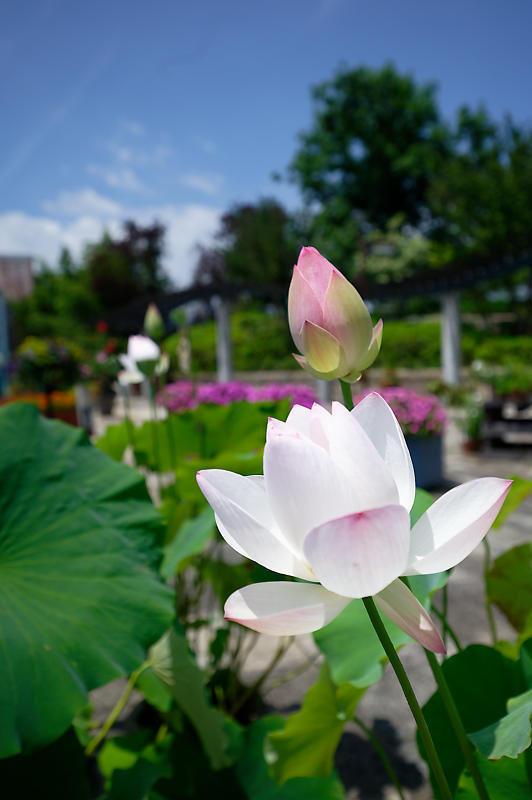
383, 707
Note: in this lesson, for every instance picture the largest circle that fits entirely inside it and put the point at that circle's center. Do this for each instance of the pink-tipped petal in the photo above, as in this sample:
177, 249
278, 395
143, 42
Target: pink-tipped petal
380, 424
321, 348
244, 519
303, 305
280, 608
316, 270
404, 609
454, 525
359, 554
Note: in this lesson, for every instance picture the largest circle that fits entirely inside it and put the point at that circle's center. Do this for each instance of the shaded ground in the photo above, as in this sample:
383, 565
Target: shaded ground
383, 708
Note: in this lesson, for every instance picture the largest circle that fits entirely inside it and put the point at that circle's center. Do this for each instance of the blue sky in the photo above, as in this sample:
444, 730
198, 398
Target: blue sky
176, 110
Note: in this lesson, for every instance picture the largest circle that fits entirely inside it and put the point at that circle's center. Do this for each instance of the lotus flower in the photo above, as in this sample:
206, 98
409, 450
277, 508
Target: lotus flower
142, 359
329, 322
332, 509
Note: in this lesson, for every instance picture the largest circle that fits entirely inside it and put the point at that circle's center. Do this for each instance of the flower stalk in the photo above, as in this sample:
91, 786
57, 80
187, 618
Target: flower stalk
410, 696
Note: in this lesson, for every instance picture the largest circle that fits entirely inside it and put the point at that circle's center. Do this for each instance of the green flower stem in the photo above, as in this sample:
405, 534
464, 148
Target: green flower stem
445, 608
387, 764
447, 627
347, 394
155, 440
117, 710
127, 419
489, 610
458, 726
410, 696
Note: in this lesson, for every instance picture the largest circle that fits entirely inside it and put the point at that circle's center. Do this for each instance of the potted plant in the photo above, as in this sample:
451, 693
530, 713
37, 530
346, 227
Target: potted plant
471, 423
49, 366
423, 419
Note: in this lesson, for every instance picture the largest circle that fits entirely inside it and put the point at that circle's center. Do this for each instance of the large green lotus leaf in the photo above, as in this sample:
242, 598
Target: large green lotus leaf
80, 600
509, 584
253, 774
509, 735
307, 744
481, 681
505, 779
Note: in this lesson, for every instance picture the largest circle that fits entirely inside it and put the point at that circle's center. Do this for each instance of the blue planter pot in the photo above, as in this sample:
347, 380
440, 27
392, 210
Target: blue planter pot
426, 453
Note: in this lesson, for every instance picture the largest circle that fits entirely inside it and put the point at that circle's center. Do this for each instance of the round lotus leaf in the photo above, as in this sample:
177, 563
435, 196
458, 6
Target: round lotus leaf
80, 597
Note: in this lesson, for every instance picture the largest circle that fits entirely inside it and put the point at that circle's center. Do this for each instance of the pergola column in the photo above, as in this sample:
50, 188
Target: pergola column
224, 349
450, 338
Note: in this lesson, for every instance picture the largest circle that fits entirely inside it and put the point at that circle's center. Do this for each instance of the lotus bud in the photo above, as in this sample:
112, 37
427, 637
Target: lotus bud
329, 322
153, 323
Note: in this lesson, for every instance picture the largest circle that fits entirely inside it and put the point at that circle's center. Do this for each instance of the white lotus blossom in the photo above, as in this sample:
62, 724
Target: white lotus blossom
332, 509
143, 358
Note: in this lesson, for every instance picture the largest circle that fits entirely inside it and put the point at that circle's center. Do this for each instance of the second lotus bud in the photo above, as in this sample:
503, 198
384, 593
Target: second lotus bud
329, 321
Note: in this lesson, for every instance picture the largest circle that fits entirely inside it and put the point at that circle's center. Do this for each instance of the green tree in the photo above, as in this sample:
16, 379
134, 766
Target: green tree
128, 267
376, 142
254, 244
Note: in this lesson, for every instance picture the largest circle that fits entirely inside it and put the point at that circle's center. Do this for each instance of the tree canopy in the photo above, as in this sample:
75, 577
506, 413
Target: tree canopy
254, 244
112, 272
379, 149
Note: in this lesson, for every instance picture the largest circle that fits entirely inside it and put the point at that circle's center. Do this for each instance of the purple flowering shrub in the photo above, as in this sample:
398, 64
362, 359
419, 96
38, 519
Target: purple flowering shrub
417, 414
185, 395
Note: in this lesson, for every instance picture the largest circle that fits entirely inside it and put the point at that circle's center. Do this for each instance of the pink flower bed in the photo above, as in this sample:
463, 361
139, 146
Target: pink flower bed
417, 414
185, 395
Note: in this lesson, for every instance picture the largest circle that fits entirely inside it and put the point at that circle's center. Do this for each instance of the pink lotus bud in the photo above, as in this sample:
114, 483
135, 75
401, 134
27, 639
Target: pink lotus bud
329, 322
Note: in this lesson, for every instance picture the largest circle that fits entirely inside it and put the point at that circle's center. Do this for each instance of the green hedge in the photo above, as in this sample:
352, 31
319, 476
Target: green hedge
262, 341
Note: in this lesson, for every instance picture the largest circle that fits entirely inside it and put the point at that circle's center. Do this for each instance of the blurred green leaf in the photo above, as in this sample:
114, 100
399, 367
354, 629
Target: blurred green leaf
253, 774
114, 441
481, 681
190, 540
307, 744
505, 779
133, 764
172, 662
422, 501
510, 735
519, 491
509, 584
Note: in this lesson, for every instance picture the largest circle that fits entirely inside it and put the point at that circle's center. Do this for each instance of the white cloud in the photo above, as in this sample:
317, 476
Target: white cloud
81, 202
207, 145
43, 237
207, 183
156, 156
117, 177
132, 127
